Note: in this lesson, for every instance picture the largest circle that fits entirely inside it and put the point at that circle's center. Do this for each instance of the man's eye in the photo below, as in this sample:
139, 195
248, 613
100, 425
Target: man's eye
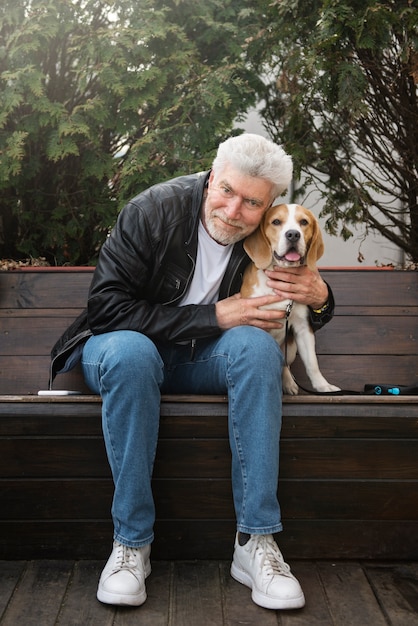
226, 190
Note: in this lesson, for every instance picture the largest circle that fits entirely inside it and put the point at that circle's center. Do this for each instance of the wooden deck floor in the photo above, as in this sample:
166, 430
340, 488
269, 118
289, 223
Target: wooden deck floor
202, 593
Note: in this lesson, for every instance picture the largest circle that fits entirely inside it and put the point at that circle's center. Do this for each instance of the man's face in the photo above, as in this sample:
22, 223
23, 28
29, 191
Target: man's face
235, 204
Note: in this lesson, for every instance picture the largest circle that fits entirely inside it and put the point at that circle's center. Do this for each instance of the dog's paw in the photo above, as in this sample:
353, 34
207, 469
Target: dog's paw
327, 388
289, 385
291, 391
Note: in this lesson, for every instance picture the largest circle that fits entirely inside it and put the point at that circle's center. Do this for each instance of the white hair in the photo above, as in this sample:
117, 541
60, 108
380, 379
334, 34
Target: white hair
256, 156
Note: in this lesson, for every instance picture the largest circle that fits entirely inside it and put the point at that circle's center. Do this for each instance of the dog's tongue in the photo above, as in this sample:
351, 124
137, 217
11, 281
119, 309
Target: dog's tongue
292, 256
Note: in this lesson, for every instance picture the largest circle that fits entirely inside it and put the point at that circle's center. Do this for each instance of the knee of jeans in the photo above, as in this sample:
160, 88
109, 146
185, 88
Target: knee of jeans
258, 345
129, 349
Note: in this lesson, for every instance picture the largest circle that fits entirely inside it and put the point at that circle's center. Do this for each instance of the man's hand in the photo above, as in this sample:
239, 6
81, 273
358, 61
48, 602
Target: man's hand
299, 284
238, 311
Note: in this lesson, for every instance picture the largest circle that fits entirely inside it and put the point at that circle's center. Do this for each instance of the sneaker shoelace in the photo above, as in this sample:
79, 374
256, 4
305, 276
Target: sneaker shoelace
272, 561
125, 558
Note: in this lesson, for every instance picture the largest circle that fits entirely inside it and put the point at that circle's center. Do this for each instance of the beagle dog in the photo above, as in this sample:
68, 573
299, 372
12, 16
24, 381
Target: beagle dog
288, 236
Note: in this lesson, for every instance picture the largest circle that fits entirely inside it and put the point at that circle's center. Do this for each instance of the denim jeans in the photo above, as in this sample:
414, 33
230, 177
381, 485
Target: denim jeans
130, 372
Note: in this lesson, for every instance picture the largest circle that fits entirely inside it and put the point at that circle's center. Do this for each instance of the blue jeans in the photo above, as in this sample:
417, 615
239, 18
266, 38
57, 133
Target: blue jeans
130, 372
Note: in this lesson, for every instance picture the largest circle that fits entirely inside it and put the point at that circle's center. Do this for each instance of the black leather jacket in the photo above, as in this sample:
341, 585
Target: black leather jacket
144, 269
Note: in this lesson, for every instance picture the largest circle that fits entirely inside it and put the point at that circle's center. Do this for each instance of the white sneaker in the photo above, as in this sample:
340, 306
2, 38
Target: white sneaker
123, 578
260, 566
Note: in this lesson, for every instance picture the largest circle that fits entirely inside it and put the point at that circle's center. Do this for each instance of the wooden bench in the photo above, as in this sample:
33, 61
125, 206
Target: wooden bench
349, 464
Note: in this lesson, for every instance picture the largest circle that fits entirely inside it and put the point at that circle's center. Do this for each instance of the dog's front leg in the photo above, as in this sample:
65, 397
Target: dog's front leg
306, 347
289, 384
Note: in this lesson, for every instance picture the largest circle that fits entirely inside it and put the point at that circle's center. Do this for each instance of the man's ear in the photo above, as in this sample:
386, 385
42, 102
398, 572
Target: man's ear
211, 177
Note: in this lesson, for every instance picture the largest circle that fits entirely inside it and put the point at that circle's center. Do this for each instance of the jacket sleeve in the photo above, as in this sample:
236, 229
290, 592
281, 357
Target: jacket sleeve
123, 295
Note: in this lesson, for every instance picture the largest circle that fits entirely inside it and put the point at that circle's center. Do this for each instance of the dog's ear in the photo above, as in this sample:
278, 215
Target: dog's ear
316, 246
257, 247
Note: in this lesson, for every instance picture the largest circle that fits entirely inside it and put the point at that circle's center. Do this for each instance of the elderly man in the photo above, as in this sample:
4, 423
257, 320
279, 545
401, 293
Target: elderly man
165, 316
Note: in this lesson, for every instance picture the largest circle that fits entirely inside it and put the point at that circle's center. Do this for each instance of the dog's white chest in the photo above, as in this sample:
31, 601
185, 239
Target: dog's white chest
262, 289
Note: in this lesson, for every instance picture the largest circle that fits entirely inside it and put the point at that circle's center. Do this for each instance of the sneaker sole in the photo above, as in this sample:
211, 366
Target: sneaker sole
261, 598
121, 599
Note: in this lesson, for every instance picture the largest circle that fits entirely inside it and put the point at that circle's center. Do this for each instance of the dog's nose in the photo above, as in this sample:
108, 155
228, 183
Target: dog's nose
293, 235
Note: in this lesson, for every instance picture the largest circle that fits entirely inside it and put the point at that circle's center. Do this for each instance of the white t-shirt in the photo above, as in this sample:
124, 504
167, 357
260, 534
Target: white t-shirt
211, 262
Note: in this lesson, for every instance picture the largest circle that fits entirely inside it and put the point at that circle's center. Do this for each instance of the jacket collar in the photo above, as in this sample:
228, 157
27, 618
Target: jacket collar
199, 189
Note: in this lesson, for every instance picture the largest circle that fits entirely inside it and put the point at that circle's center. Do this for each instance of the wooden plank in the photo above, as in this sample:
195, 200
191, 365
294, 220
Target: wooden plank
68, 312
316, 418
56, 499
35, 335
39, 595
301, 539
197, 594
352, 372
199, 406
21, 289
394, 309
26, 375
299, 499
213, 539
22, 375
88, 499
350, 539
67, 539
53, 457
361, 459
32, 335
370, 334
80, 605
362, 417
212, 499
348, 499
396, 588
372, 287
359, 606
10, 574
210, 458
351, 286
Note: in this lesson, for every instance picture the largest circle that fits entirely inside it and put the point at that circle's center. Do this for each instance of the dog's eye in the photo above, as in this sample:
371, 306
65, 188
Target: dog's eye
304, 222
276, 222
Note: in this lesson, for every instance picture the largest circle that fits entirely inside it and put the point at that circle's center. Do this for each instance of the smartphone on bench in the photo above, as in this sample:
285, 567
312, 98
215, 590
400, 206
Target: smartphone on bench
58, 392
